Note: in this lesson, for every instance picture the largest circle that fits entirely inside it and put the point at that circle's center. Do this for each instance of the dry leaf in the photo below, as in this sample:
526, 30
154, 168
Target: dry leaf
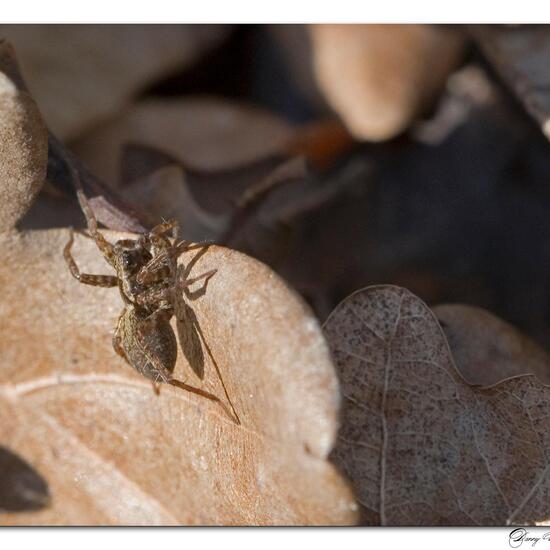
208, 205
487, 349
165, 195
216, 189
66, 174
201, 133
30, 152
378, 78
521, 55
23, 143
113, 452
422, 446
81, 74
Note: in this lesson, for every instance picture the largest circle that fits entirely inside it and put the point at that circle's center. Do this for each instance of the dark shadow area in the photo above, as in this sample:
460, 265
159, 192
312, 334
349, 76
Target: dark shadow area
191, 337
22, 488
249, 66
224, 70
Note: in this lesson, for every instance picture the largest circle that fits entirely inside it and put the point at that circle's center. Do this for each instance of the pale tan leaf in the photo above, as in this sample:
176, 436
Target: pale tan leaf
379, 78
23, 143
113, 452
487, 349
165, 194
421, 445
202, 133
208, 205
81, 74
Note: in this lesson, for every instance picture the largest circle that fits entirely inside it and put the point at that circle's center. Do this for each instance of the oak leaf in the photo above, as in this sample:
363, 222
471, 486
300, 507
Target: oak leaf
23, 143
487, 349
380, 78
111, 451
201, 132
208, 205
82, 74
422, 446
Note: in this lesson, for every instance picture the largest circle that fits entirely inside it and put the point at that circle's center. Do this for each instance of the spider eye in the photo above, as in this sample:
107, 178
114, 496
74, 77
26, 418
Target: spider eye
127, 261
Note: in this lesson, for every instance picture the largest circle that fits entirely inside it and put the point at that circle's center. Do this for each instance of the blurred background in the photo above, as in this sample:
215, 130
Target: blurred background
426, 163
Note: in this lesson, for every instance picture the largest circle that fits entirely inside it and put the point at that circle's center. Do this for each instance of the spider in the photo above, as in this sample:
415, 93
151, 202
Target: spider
147, 279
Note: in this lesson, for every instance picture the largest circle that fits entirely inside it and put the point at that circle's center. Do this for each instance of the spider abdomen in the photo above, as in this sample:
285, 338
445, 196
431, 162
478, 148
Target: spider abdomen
149, 343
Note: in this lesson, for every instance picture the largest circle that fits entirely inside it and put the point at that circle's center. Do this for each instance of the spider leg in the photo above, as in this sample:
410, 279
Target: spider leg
164, 309
155, 295
117, 339
157, 239
164, 255
149, 272
166, 227
86, 278
104, 246
184, 246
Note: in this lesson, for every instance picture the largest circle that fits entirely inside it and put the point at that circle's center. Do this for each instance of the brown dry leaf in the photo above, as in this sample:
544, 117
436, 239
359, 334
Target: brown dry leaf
23, 143
208, 205
81, 74
201, 133
30, 153
421, 445
113, 452
379, 78
166, 195
216, 189
487, 349
66, 173
521, 55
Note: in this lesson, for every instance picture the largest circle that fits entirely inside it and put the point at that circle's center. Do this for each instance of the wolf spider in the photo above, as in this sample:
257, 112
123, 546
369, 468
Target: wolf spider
147, 279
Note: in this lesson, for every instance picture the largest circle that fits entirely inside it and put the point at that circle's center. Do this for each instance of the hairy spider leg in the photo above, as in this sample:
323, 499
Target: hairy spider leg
159, 294
104, 246
149, 272
117, 339
157, 236
157, 268
156, 295
86, 278
165, 227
